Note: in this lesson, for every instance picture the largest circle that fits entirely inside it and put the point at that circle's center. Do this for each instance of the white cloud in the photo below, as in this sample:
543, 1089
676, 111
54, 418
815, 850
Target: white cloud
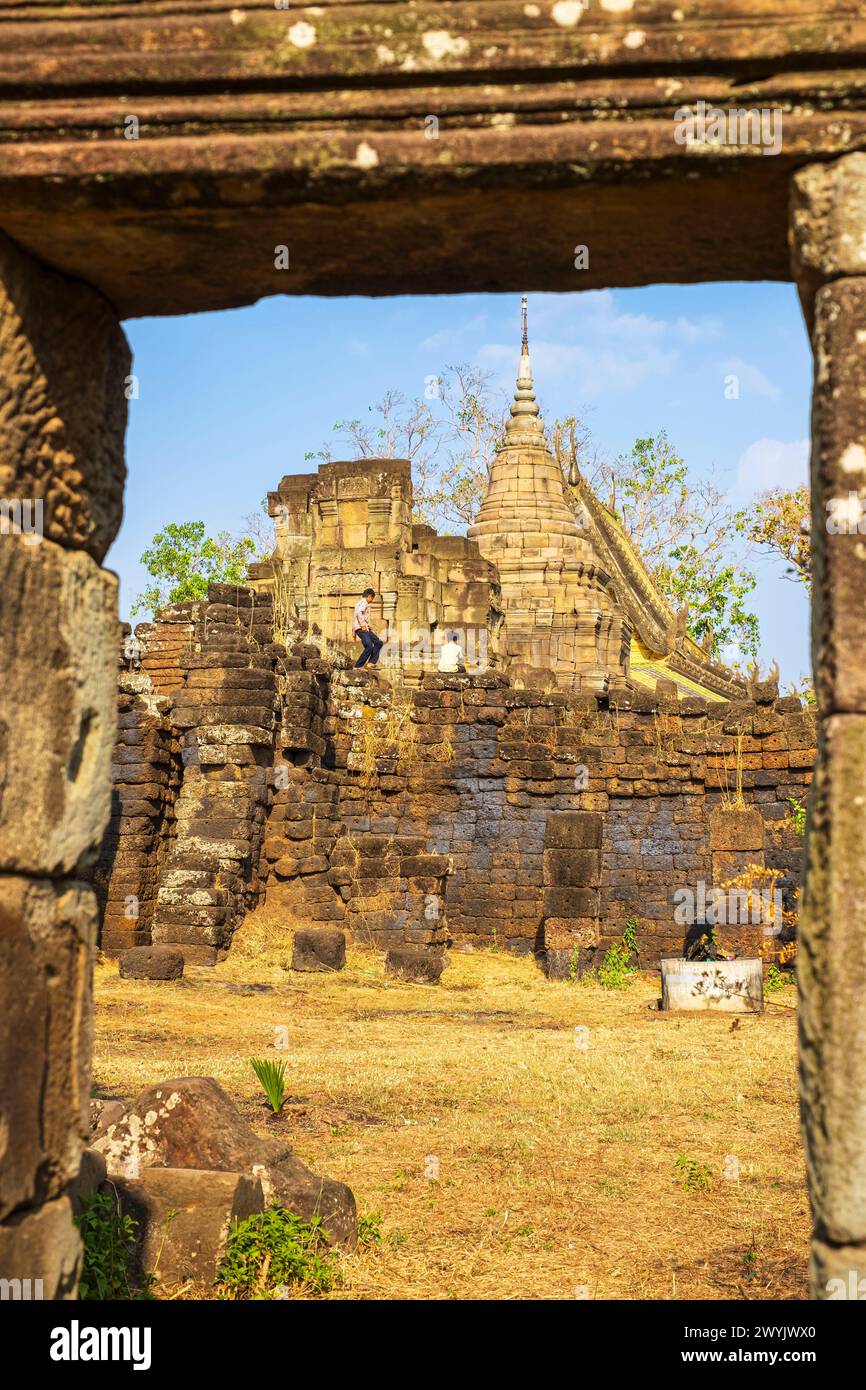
589, 373
592, 313
751, 378
692, 332
587, 342
769, 463
450, 339
595, 312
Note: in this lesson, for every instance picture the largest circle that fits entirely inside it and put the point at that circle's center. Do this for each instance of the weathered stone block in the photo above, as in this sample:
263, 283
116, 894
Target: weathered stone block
151, 963
190, 1122
831, 967
838, 1272
87, 1182
567, 962
104, 1113
47, 935
838, 466
571, 902
828, 213
568, 947
41, 1245
58, 629
736, 830
572, 868
573, 830
184, 1216
64, 361
194, 953
415, 963
319, 949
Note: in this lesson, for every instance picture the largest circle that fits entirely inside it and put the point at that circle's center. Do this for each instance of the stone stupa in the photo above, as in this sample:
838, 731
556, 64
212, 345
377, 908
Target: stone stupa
561, 614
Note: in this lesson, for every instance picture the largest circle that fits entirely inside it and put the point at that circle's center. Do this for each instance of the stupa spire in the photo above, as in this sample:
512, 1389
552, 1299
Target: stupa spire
525, 419
525, 512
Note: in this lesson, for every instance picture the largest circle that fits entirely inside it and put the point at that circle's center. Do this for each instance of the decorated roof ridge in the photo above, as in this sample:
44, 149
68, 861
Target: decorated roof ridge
655, 622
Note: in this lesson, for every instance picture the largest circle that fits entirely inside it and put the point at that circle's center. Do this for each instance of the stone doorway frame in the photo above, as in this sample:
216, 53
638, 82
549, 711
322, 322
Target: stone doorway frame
161, 159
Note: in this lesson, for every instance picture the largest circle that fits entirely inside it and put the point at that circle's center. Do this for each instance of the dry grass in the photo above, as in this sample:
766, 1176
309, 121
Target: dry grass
556, 1163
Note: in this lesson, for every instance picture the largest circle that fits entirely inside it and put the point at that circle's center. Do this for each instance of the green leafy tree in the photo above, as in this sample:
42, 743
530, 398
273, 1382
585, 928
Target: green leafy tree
183, 560
778, 521
715, 595
682, 526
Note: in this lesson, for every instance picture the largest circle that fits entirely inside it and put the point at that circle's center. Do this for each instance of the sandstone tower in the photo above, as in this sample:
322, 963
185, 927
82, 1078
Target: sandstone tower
561, 613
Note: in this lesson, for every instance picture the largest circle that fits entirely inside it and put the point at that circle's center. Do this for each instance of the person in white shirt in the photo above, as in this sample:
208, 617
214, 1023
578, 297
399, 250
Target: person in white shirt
451, 658
361, 628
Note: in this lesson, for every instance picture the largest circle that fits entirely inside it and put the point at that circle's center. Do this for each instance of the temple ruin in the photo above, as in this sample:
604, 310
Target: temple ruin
588, 762
545, 586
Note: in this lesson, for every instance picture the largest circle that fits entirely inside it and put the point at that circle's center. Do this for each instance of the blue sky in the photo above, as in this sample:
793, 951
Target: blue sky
230, 402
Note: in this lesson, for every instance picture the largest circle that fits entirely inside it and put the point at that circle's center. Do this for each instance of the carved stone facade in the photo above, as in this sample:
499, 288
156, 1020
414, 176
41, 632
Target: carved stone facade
350, 526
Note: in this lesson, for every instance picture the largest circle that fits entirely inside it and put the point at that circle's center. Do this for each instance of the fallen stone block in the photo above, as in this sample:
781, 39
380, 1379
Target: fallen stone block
184, 1216
151, 963
191, 1123
319, 948
415, 964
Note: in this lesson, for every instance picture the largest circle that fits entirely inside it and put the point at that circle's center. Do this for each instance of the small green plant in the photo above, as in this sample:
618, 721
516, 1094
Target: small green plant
777, 978
370, 1229
272, 1249
694, 1176
108, 1237
616, 970
573, 964
750, 1263
272, 1076
629, 936
798, 814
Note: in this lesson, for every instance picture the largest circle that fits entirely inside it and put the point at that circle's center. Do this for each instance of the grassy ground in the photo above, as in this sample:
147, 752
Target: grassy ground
557, 1150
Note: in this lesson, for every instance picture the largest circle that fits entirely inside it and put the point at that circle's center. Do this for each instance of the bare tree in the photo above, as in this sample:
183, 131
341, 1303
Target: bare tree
449, 438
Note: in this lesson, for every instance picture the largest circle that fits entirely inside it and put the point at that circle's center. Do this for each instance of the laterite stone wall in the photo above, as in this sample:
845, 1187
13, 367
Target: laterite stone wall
465, 808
